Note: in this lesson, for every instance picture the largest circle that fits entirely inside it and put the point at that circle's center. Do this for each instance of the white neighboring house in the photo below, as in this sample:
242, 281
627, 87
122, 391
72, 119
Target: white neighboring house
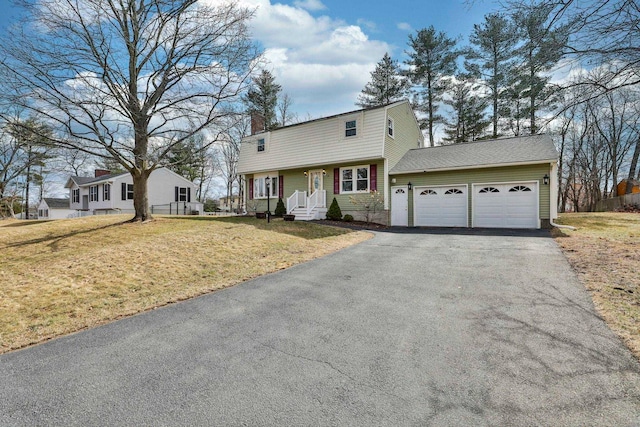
106, 193
54, 208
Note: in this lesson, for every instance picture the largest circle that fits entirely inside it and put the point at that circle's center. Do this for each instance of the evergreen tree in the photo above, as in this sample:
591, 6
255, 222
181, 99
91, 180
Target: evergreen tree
280, 209
491, 56
468, 121
334, 212
540, 50
432, 60
386, 86
262, 98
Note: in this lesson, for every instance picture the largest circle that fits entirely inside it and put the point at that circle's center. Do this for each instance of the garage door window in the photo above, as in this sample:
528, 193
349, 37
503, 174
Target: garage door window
429, 193
453, 191
489, 190
518, 188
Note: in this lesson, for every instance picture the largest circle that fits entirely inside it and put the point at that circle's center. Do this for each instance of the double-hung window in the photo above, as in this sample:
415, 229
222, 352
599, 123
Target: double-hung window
260, 186
93, 193
126, 191
106, 192
261, 145
354, 179
350, 128
390, 127
75, 196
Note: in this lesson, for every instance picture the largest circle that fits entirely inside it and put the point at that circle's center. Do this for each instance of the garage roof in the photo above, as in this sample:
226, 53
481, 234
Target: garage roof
478, 154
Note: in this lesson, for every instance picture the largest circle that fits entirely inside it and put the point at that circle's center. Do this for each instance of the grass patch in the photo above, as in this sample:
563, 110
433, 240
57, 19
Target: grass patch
63, 276
605, 252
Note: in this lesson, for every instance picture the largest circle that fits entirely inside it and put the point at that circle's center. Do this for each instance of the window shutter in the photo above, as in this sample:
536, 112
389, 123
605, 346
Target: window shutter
250, 188
373, 177
280, 186
189, 194
123, 188
177, 192
336, 181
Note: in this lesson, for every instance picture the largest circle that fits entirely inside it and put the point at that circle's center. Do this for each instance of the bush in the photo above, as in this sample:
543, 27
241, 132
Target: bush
348, 218
334, 213
280, 209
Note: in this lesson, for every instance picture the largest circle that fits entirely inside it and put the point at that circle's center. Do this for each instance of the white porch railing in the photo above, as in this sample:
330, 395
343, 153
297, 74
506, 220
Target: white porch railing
317, 200
297, 200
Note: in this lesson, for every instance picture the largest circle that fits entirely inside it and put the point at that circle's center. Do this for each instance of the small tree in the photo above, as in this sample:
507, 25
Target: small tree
334, 213
280, 209
370, 203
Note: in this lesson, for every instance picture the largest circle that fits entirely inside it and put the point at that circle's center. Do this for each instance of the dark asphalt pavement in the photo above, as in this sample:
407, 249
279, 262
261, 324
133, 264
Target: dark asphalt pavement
413, 328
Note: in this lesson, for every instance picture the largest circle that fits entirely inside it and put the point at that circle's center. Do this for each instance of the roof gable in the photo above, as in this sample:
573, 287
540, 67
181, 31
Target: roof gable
57, 203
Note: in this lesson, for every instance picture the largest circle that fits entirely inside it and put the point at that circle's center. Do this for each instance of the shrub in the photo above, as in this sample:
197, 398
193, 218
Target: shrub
348, 218
280, 209
334, 213
370, 203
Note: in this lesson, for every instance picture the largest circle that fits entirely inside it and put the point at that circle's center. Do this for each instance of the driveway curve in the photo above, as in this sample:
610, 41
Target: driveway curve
408, 328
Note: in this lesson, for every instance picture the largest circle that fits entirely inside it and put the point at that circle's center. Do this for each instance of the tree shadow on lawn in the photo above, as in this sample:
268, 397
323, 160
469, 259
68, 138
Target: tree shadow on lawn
23, 223
55, 239
303, 229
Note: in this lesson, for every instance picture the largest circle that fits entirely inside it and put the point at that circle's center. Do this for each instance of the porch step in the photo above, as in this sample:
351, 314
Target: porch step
317, 213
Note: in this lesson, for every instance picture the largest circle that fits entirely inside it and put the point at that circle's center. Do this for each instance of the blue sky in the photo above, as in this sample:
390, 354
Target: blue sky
322, 51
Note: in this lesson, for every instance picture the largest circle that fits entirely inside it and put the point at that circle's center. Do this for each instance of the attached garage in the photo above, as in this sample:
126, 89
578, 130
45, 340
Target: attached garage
440, 206
506, 205
500, 183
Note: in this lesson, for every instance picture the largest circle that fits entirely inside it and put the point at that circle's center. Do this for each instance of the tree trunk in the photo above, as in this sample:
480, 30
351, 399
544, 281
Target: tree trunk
633, 166
141, 196
27, 184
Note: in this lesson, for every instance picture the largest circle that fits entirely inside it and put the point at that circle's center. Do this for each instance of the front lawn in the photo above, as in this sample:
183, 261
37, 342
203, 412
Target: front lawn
605, 252
62, 276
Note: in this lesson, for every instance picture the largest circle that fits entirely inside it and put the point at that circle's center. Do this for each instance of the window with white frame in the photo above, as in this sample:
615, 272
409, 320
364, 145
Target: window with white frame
75, 195
106, 192
354, 179
93, 193
390, 127
260, 186
350, 128
261, 145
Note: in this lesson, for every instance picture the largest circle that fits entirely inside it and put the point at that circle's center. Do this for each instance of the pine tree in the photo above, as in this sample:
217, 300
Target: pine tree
334, 212
386, 86
490, 57
468, 122
432, 60
262, 98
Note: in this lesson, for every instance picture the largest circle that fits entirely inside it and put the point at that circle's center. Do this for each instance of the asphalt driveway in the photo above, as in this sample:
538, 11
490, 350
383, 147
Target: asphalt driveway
410, 328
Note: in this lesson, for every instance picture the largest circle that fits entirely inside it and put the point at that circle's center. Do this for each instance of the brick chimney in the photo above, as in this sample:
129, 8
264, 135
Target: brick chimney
257, 123
101, 172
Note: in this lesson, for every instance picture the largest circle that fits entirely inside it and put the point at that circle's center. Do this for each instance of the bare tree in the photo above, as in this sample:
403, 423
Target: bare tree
128, 79
230, 152
285, 115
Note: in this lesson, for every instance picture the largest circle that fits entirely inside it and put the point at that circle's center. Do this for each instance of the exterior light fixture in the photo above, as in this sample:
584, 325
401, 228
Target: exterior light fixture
410, 185
324, 172
305, 173
545, 179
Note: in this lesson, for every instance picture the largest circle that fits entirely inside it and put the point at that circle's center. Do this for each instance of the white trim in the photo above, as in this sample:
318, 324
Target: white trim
385, 183
416, 192
493, 165
272, 174
553, 192
480, 184
392, 127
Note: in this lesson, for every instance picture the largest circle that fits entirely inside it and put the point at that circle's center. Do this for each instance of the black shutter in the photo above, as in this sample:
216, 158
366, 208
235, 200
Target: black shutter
189, 194
123, 187
177, 194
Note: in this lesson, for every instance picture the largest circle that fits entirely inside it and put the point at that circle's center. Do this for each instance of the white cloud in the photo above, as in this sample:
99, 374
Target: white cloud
312, 5
369, 25
404, 26
320, 61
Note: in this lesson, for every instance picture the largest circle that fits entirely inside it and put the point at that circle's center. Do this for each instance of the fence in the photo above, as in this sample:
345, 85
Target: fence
177, 208
617, 202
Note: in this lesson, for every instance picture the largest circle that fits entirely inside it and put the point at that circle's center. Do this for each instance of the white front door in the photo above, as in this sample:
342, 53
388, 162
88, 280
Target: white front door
315, 181
400, 206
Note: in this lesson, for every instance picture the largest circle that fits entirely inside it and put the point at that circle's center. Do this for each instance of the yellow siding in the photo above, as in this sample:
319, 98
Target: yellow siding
406, 134
484, 175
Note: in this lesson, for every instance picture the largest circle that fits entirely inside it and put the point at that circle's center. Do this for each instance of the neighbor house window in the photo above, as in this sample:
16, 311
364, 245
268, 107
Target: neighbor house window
354, 179
106, 192
261, 145
126, 191
183, 194
93, 193
260, 186
350, 128
390, 127
75, 195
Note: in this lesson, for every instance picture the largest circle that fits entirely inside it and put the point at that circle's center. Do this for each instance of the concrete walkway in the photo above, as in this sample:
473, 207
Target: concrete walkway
411, 328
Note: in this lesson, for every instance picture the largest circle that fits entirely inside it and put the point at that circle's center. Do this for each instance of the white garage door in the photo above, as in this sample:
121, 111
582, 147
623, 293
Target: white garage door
440, 206
510, 205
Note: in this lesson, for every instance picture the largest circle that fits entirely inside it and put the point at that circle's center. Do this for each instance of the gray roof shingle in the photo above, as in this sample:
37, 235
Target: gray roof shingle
56, 203
495, 152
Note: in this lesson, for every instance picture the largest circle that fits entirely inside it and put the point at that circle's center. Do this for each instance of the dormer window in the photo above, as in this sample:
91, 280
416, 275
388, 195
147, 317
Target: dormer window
350, 128
261, 145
